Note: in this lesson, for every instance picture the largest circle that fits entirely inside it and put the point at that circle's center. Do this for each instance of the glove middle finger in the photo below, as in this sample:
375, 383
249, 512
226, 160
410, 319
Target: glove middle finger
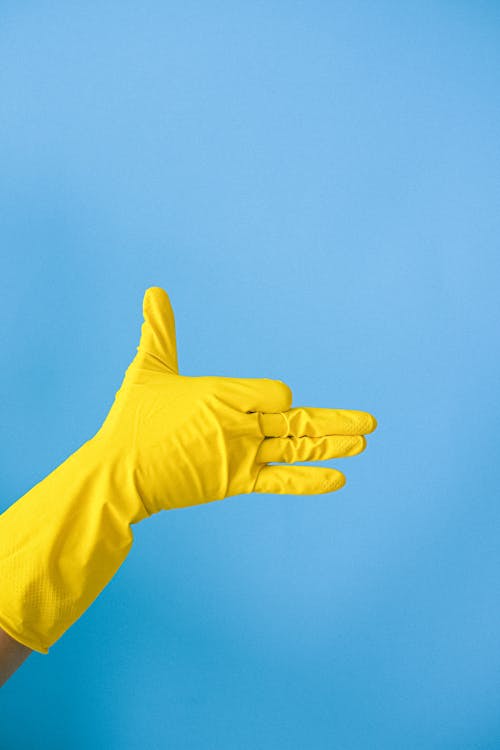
291, 449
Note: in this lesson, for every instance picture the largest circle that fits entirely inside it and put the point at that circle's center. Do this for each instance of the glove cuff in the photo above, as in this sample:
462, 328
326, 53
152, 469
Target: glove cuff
63, 541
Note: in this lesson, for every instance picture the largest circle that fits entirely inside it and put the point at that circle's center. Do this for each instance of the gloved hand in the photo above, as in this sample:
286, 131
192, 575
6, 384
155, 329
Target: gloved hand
169, 441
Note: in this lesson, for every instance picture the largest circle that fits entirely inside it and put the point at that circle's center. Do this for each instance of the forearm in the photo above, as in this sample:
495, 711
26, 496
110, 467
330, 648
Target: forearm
62, 542
12, 655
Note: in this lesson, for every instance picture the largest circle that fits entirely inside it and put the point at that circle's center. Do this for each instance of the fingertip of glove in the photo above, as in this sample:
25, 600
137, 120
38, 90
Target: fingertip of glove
153, 293
360, 445
333, 482
155, 290
285, 394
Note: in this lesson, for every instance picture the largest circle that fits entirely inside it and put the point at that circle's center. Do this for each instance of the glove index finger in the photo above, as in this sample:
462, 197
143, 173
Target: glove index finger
316, 422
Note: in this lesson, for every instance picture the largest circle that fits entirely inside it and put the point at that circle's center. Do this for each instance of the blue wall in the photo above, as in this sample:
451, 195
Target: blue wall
316, 186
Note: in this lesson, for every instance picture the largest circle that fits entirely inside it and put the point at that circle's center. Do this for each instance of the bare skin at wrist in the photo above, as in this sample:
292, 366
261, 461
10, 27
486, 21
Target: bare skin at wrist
12, 655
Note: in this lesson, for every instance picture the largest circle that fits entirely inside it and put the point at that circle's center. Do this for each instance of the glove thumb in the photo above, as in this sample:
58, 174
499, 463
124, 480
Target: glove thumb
157, 343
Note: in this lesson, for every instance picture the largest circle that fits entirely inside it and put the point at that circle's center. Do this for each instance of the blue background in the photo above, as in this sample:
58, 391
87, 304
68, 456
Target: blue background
316, 186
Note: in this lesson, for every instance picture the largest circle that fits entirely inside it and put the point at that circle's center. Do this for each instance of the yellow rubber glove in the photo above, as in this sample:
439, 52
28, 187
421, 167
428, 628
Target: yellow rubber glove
169, 441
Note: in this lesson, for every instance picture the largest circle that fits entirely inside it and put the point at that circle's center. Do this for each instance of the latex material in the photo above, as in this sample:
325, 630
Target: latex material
169, 441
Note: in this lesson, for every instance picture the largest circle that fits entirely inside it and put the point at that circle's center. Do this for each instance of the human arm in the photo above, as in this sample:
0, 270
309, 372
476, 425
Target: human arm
12, 655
